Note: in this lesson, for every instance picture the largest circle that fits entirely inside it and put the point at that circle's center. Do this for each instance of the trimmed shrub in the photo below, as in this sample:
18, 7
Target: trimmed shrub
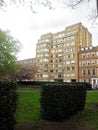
35, 82
41, 83
61, 101
8, 104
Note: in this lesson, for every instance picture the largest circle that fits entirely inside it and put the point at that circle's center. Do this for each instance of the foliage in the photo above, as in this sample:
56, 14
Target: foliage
59, 101
34, 83
8, 50
8, 104
88, 86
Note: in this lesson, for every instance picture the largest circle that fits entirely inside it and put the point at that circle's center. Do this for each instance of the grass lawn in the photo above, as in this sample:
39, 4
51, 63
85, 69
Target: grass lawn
90, 115
28, 110
28, 88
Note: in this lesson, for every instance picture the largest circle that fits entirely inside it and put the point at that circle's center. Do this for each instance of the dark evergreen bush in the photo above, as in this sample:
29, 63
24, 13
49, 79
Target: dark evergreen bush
60, 101
8, 104
34, 83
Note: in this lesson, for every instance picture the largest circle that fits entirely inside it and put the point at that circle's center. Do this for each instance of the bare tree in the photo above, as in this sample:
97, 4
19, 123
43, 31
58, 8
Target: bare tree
46, 3
26, 72
76, 3
29, 3
49, 3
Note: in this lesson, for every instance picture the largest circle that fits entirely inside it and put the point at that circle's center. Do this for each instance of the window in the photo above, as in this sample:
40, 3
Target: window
67, 75
51, 46
68, 68
51, 56
83, 63
83, 55
45, 76
72, 49
73, 67
59, 65
60, 45
68, 56
45, 60
72, 37
51, 65
88, 54
52, 51
72, 43
88, 63
84, 72
46, 55
72, 55
68, 44
59, 70
52, 76
88, 72
59, 75
45, 70
60, 50
67, 62
93, 54
72, 61
59, 55
72, 74
67, 50
51, 70
93, 71
96, 53
93, 62
45, 50
46, 65
60, 60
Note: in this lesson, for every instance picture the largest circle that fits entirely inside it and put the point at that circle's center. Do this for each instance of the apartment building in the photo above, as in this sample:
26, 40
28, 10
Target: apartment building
57, 53
88, 65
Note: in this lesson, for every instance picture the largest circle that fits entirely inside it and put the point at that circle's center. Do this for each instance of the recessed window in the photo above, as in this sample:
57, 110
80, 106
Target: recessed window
88, 72
84, 72
51, 70
93, 71
83, 55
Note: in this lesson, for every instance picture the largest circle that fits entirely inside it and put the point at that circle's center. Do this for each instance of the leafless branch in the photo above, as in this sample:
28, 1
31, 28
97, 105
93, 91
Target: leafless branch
49, 3
93, 17
97, 5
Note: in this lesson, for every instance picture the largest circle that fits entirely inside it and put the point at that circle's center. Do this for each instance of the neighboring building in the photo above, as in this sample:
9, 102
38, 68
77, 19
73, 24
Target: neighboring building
28, 61
88, 65
57, 54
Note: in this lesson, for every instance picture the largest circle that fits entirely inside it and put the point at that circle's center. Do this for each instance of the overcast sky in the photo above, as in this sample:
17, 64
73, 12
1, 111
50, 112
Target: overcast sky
27, 27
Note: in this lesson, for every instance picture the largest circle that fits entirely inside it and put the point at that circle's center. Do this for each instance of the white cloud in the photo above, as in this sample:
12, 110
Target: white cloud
28, 27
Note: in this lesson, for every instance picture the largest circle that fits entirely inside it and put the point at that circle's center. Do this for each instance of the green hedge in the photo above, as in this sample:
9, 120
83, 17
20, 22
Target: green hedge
8, 104
61, 101
40, 83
